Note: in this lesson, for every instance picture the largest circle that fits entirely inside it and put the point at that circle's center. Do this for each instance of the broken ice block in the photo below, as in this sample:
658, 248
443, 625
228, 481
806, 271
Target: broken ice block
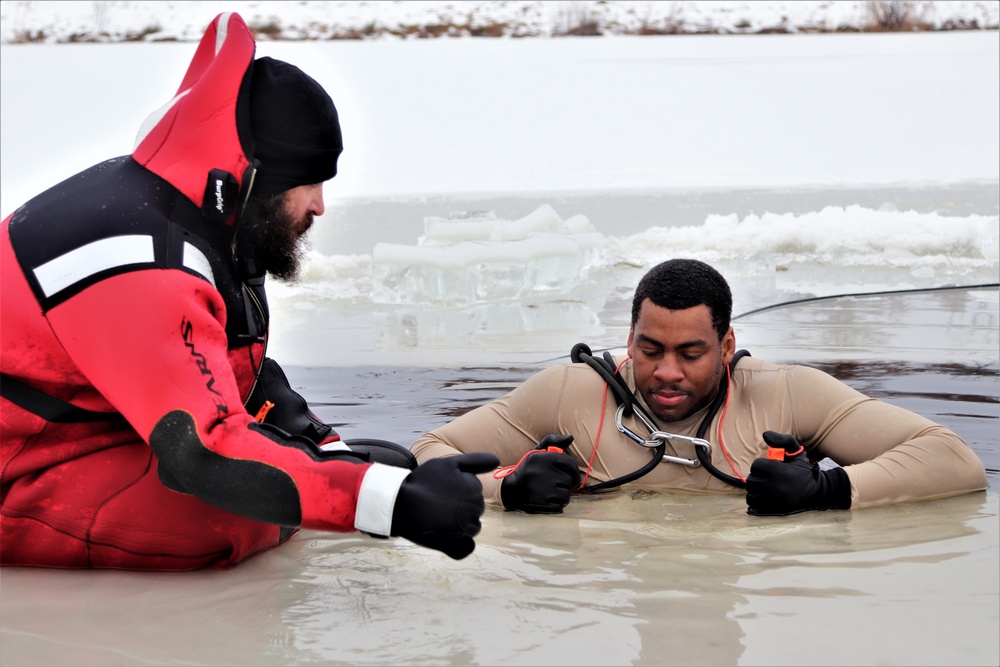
484, 259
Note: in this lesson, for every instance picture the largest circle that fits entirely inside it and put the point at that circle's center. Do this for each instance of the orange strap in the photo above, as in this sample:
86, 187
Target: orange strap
262, 413
722, 418
600, 427
500, 473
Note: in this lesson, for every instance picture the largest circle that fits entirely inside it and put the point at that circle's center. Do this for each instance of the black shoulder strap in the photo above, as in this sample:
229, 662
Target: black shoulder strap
605, 367
720, 396
48, 407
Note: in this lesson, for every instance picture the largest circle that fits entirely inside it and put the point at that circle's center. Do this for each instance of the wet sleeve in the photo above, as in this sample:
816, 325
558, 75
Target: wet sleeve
506, 427
153, 343
890, 454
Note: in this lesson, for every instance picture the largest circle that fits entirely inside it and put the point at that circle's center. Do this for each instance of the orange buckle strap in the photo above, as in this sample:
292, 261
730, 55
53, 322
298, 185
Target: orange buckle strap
776, 453
779, 453
262, 413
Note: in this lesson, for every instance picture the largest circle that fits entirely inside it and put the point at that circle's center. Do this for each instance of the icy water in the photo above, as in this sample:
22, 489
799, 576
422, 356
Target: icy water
636, 578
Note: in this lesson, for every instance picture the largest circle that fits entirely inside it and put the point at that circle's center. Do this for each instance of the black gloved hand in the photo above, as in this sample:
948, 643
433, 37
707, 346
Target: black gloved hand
544, 480
780, 488
440, 502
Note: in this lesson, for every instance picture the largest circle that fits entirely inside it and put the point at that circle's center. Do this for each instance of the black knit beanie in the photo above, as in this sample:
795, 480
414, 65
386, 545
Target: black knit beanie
295, 128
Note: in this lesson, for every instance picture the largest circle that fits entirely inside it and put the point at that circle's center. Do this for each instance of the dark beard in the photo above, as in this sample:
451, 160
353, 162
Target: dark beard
267, 229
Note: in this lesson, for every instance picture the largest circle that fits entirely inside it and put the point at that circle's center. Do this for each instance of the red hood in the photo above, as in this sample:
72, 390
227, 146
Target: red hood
195, 141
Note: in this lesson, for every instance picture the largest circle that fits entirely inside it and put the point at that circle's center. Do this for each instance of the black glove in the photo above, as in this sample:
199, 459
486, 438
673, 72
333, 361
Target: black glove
780, 488
440, 502
542, 483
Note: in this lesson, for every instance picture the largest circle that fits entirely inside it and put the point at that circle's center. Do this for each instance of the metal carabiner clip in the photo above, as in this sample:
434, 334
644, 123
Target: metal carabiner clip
656, 438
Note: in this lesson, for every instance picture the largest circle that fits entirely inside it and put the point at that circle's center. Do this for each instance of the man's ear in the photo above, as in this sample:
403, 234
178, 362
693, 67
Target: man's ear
631, 333
728, 346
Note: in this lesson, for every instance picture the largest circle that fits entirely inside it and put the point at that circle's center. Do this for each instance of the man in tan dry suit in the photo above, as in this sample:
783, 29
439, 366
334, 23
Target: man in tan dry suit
747, 425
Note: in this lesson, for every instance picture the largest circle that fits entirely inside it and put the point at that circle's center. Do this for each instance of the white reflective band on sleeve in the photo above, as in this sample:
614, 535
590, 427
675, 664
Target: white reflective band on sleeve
335, 446
377, 498
195, 260
76, 265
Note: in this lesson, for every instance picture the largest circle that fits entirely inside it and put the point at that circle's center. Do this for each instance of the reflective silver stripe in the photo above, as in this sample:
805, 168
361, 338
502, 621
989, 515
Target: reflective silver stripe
195, 260
76, 265
223, 30
155, 117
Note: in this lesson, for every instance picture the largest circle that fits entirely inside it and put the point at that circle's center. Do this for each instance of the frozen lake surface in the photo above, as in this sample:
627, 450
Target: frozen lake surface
804, 167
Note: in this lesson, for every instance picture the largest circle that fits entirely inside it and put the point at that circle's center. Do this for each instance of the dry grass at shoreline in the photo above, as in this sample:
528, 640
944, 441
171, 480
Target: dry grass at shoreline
573, 19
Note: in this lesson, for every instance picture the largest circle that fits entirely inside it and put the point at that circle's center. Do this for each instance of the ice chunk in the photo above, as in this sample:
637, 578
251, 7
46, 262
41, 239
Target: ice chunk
542, 220
484, 259
474, 226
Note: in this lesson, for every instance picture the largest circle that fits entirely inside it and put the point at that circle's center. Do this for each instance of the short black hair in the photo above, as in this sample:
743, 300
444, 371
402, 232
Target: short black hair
679, 284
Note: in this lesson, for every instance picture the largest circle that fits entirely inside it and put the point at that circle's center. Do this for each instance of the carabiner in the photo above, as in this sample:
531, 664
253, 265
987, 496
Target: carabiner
656, 438
624, 429
696, 442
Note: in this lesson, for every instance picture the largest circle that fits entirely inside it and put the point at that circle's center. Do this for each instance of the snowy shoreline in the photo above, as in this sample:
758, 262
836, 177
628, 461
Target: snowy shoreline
114, 22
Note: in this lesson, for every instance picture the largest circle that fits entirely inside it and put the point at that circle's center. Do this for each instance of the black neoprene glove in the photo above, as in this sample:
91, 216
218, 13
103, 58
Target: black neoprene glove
440, 502
780, 488
543, 481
